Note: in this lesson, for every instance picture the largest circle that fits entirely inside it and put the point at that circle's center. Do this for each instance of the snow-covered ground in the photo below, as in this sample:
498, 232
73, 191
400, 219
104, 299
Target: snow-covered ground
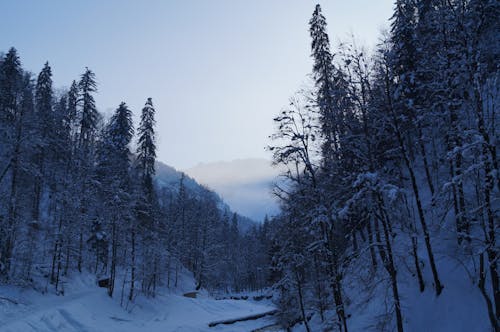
459, 308
87, 308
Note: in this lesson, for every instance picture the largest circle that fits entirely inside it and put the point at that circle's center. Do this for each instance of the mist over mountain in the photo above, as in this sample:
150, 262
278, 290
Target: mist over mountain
168, 178
245, 184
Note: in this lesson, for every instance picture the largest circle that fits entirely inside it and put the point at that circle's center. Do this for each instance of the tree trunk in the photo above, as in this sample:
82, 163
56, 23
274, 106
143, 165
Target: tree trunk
319, 291
414, 245
370, 243
389, 265
420, 210
80, 250
132, 269
481, 285
12, 210
421, 145
301, 301
114, 245
416, 261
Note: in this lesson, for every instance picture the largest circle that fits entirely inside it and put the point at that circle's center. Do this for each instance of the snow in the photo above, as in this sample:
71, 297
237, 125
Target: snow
460, 307
87, 308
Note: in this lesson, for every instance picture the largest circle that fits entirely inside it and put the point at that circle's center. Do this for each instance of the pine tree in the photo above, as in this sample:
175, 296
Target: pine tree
11, 132
146, 148
146, 204
10, 83
335, 109
88, 121
44, 99
87, 132
73, 109
113, 175
46, 127
324, 75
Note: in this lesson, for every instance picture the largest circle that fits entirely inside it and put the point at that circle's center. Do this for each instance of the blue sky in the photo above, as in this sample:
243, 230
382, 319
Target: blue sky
218, 71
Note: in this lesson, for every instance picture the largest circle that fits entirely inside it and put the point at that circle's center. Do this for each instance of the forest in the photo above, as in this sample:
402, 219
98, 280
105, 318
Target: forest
393, 167
391, 196
75, 197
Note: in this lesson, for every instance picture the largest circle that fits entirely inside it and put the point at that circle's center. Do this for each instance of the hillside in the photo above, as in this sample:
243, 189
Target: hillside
169, 178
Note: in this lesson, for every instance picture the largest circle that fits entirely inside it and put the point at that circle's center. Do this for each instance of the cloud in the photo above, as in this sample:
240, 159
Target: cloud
245, 184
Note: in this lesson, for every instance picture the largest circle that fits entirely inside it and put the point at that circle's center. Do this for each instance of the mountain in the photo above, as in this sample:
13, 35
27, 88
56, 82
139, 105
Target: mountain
168, 177
245, 184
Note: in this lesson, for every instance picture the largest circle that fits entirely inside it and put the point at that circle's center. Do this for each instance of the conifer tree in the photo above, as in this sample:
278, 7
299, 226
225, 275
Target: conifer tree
146, 148
113, 175
10, 83
45, 132
88, 121
334, 106
86, 137
11, 133
324, 74
44, 99
145, 204
73, 109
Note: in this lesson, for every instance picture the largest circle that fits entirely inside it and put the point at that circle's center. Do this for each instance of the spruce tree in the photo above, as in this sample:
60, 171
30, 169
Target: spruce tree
113, 176
145, 202
11, 132
89, 115
45, 132
324, 73
87, 132
146, 148
44, 99
334, 107
73, 109
10, 83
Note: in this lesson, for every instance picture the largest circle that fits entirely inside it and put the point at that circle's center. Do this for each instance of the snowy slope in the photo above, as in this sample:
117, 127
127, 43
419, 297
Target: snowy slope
459, 308
88, 308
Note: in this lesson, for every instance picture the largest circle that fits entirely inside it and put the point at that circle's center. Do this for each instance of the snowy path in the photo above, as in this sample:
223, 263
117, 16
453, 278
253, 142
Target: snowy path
94, 311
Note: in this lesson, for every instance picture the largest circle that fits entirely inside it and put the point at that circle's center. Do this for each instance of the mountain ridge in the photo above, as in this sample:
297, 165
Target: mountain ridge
169, 177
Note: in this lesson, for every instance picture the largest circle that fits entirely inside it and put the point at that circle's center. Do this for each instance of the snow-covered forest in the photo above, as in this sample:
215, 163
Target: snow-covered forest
75, 197
389, 208
394, 178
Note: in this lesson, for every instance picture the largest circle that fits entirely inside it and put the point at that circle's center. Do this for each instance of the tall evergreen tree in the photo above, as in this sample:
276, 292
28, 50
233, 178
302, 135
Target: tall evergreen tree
324, 74
113, 175
87, 131
45, 132
335, 109
44, 99
145, 202
11, 133
73, 109
146, 148
10, 83
88, 120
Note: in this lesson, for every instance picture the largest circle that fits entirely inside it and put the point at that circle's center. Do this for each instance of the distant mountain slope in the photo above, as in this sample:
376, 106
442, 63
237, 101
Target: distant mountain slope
244, 183
168, 177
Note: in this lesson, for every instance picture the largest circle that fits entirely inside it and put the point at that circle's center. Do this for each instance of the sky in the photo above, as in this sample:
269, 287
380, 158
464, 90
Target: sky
218, 71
